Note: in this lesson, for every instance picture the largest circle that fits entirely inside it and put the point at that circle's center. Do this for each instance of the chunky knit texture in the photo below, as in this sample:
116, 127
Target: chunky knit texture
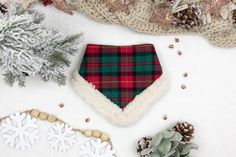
219, 32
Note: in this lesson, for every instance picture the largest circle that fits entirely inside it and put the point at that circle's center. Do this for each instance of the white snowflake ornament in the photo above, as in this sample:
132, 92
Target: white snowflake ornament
96, 148
61, 137
20, 131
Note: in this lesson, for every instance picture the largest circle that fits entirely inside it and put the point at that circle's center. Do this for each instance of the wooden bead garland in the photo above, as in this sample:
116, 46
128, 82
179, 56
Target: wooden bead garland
88, 133
52, 118
105, 137
43, 116
35, 113
96, 134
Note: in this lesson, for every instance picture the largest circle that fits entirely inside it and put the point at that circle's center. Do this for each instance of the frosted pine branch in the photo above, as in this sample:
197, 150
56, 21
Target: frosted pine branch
28, 48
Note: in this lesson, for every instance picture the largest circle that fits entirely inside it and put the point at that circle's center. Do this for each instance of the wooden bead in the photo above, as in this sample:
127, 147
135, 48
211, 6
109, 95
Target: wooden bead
96, 134
179, 53
183, 87
185, 74
35, 113
61, 105
176, 40
171, 46
43, 116
105, 137
52, 118
165, 117
88, 133
87, 120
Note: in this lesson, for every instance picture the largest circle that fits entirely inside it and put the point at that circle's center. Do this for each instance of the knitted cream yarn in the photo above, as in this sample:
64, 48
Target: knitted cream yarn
220, 32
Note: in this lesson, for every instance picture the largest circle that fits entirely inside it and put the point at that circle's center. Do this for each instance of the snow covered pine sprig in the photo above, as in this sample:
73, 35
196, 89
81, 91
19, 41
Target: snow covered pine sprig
29, 48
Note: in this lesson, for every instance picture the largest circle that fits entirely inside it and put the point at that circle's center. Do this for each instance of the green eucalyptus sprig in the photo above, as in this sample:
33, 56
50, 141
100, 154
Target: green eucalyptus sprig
168, 144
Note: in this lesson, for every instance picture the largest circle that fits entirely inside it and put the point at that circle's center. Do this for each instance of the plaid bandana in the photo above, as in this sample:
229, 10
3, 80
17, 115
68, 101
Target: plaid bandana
120, 72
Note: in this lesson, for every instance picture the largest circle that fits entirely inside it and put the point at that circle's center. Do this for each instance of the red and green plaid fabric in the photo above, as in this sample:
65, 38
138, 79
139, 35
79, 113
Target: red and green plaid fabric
120, 72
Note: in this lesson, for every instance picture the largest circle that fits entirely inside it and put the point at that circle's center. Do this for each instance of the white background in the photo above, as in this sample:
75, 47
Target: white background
209, 102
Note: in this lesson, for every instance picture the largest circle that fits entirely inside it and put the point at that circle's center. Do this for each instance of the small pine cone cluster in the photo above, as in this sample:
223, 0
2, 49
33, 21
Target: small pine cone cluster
143, 144
188, 18
3, 8
186, 130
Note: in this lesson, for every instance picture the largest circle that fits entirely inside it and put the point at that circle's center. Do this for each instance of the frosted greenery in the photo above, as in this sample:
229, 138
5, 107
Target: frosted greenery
28, 48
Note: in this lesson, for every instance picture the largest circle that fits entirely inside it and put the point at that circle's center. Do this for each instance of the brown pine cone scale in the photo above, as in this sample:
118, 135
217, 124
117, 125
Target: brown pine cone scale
188, 18
144, 143
3, 8
186, 130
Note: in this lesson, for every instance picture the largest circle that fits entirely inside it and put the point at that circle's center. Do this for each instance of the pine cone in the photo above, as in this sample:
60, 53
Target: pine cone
3, 8
186, 130
188, 18
144, 143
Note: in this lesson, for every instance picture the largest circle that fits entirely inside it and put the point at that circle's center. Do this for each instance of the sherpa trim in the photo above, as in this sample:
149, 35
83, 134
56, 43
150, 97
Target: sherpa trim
132, 112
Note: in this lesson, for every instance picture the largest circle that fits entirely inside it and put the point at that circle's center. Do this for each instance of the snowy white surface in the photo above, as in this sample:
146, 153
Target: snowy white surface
208, 102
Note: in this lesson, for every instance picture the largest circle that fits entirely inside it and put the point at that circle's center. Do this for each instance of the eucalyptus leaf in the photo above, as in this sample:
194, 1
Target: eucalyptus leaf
177, 137
193, 146
170, 153
175, 144
155, 154
168, 144
165, 146
177, 154
168, 134
156, 139
187, 148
